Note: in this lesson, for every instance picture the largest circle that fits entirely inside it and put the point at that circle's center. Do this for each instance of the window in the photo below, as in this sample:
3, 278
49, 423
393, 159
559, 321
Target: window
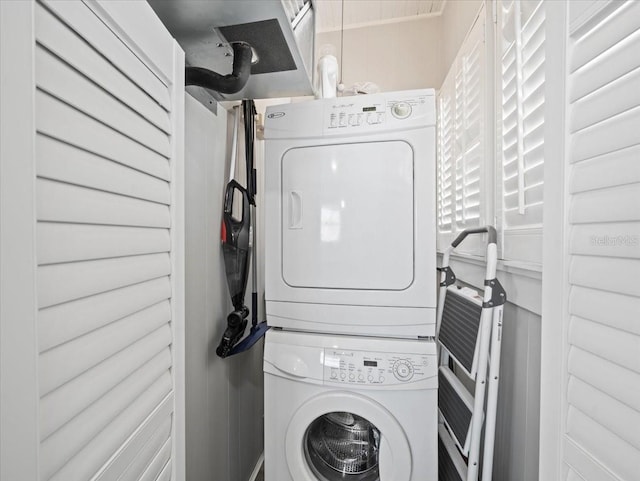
462, 171
520, 50
467, 195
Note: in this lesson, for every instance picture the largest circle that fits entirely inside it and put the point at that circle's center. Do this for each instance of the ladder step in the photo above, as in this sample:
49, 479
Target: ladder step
451, 465
456, 406
460, 325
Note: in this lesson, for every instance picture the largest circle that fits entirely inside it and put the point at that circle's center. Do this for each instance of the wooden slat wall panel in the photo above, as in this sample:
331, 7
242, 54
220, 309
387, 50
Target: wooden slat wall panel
614, 204
60, 202
104, 154
617, 346
82, 94
619, 59
59, 406
165, 475
95, 453
596, 306
606, 376
158, 463
572, 476
60, 283
608, 135
135, 470
621, 25
72, 436
61, 323
609, 170
616, 239
66, 163
618, 96
74, 50
62, 242
94, 31
606, 411
63, 363
602, 441
606, 274
140, 449
63, 122
584, 467
603, 445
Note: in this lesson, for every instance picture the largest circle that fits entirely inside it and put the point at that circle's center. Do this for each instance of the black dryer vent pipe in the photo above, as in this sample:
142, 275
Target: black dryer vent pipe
226, 84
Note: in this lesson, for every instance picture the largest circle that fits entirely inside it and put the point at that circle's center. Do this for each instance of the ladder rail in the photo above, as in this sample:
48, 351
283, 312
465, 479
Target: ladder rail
486, 371
492, 396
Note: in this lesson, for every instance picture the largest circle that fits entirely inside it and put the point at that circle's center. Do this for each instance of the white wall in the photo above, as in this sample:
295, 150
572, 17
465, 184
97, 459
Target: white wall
395, 56
456, 21
224, 396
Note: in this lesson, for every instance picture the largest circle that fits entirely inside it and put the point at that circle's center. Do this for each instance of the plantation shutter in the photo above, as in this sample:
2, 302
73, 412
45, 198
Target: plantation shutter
521, 44
461, 141
445, 177
108, 296
602, 390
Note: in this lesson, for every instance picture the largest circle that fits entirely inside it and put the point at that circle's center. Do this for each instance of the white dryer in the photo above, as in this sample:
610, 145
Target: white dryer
349, 409
350, 215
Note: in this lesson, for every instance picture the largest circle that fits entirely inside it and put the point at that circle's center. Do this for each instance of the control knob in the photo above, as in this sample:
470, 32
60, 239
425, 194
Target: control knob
401, 110
403, 370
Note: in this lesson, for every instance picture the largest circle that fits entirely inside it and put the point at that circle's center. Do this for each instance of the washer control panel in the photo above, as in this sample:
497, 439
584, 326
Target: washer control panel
374, 368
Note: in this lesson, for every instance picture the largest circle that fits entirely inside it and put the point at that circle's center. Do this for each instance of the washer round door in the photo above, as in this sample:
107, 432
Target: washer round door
348, 437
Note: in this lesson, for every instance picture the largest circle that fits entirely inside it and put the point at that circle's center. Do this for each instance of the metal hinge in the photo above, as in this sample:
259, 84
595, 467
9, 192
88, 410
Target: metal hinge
498, 294
450, 277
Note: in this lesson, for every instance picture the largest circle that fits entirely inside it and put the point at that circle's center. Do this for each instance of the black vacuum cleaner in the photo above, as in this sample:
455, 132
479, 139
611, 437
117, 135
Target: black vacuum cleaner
238, 243
237, 238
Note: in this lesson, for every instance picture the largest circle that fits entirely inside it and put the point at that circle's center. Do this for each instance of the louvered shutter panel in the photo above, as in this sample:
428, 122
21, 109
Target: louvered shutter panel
104, 153
469, 129
445, 162
602, 390
521, 47
462, 195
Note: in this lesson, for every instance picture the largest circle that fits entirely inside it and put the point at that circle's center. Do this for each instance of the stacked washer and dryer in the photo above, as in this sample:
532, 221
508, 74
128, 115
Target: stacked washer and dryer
350, 362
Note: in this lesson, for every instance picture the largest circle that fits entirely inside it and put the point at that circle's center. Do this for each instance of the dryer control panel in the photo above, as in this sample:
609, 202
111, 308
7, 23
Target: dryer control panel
375, 368
367, 113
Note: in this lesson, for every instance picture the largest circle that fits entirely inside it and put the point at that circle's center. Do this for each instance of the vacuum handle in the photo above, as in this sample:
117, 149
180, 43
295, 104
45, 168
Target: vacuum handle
493, 236
228, 202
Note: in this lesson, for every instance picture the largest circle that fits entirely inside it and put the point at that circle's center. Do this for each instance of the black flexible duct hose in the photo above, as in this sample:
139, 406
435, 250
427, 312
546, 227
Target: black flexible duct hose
226, 84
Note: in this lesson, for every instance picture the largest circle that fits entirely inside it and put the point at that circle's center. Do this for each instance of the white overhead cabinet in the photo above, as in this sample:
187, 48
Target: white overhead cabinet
105, 181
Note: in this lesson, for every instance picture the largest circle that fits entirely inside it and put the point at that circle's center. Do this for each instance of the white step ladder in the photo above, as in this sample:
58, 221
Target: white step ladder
469, 334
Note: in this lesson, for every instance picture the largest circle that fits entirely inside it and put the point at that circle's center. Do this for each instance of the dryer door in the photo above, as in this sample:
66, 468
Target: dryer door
348, 216
346, 436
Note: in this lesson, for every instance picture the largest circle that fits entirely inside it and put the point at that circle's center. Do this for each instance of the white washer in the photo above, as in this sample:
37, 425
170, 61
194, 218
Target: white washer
349, 408
350, 215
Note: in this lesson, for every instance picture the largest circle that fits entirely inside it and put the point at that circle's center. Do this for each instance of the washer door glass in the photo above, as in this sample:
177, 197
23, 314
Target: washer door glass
343, 446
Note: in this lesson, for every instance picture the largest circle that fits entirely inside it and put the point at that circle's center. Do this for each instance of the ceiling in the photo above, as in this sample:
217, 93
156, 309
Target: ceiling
360, 13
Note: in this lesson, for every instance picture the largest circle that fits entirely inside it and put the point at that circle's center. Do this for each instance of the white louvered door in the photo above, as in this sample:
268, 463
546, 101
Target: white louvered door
461, 166
109, 287
521, 50
601, 431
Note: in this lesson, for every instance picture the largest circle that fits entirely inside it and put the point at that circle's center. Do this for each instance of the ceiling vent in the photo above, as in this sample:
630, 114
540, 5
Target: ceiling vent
280, 32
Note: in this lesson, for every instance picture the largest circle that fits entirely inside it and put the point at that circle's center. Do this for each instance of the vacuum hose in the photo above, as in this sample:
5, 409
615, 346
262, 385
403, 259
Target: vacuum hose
226, 84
